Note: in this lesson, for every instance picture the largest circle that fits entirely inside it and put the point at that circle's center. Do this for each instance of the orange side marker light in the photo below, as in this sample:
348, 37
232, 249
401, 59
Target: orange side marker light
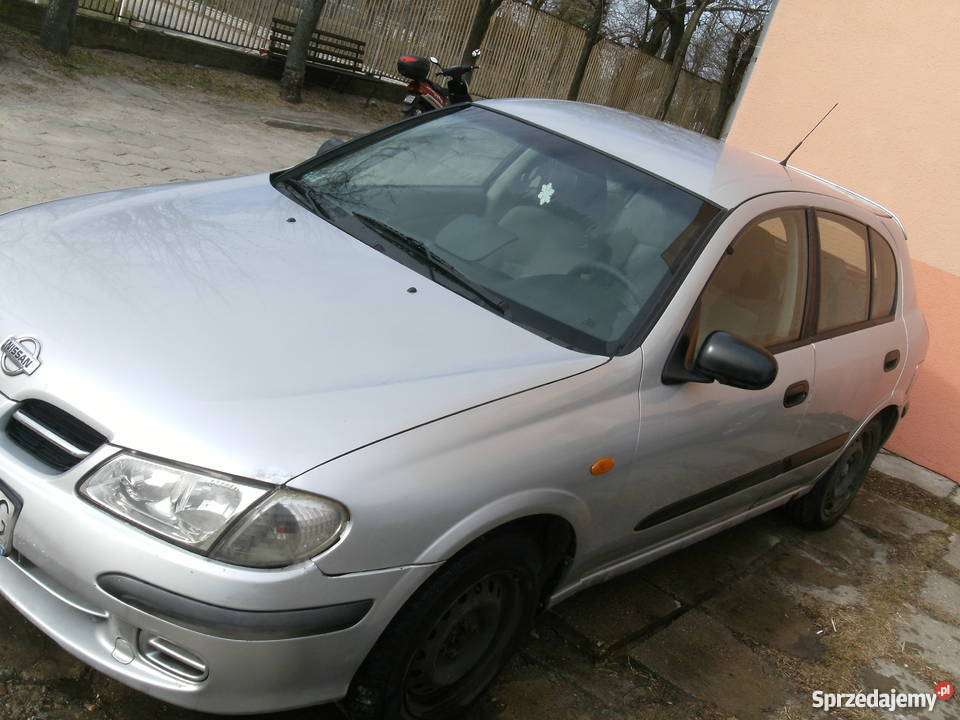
603, 465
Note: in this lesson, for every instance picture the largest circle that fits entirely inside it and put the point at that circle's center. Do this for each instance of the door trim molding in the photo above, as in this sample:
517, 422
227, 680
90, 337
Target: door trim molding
741, 483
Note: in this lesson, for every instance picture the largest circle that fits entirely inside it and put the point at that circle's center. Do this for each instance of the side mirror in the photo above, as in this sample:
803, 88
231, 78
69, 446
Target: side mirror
476, 53
434, 60
329, 145
733, 361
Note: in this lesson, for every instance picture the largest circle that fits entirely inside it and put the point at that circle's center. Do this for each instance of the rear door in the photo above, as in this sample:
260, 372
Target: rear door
859, 343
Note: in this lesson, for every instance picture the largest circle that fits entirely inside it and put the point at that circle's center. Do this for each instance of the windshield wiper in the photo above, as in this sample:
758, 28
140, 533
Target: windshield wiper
434, 264
312, 199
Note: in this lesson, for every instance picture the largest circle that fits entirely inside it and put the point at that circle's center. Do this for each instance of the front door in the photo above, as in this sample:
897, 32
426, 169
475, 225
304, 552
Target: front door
708, 451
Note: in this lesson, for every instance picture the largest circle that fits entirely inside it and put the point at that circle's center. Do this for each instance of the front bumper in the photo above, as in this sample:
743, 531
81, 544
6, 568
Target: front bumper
66, 551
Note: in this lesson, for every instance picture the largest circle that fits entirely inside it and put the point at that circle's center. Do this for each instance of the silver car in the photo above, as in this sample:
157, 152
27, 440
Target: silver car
340, 432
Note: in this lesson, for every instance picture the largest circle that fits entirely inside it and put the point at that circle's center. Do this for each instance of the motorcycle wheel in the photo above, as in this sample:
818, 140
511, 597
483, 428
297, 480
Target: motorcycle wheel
418, 107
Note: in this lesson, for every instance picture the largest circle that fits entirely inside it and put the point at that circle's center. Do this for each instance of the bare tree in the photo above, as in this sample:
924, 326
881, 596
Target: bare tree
679, 56
56, 31
295, 67
674, 14
740, 52
677, 31
478, 30
628, 22
599, 11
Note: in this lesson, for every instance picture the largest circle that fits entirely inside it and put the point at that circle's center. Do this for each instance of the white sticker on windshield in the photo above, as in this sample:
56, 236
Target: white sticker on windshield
546, 193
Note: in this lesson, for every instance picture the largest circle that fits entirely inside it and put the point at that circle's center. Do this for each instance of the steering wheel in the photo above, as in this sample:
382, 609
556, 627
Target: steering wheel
589, 267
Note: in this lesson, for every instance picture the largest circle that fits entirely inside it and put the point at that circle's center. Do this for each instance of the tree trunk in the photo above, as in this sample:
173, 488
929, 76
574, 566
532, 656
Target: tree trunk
295, 67
478, 30
593, 37
677, 66
654, 41
739, 56
675, 23
56, 32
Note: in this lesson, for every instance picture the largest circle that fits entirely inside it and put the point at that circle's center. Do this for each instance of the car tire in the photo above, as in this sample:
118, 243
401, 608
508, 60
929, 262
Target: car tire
452, 637
829, 499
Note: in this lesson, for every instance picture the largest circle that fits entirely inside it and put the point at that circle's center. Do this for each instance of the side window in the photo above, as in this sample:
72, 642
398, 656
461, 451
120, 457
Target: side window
758, 290
883, 295
844, 282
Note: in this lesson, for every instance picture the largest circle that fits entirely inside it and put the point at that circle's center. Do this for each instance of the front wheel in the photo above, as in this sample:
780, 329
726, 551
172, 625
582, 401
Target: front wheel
823, 506
452, 637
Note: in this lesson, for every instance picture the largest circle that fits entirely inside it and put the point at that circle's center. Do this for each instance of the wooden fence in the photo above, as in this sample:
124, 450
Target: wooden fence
526, 52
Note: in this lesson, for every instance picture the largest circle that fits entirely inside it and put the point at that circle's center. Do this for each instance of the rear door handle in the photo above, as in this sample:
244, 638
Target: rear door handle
891, 360
796, 393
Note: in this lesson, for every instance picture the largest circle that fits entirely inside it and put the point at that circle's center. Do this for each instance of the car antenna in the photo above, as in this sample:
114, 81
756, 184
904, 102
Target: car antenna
790, 154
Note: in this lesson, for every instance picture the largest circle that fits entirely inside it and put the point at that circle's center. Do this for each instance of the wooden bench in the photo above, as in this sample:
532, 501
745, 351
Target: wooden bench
326, 49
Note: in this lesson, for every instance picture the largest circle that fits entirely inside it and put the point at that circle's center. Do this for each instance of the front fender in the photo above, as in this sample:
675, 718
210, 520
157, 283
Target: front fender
420, 496
541, 501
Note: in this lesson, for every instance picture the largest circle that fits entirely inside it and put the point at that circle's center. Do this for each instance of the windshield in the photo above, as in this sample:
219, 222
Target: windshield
576, 245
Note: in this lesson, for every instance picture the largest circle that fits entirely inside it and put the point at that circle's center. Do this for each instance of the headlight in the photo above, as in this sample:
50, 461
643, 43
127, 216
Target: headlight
194, 509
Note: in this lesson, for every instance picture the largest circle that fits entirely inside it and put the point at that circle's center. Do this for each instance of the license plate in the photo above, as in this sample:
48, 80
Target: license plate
9, 510
408, 100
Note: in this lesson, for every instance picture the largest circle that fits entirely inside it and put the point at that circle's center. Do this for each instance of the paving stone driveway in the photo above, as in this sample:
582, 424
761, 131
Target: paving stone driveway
744, 625
135, 135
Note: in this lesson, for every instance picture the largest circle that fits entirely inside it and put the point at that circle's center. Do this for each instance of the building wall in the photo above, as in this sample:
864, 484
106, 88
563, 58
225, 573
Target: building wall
895, 138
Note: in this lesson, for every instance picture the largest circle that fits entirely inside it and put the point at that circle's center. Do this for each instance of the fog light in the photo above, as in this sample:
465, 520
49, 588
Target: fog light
171, 658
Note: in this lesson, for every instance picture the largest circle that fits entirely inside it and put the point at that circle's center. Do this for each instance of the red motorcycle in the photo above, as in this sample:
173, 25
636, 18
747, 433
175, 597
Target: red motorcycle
425, 95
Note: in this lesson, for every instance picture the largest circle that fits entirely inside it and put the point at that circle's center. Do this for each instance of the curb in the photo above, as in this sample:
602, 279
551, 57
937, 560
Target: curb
903, 469
301, 126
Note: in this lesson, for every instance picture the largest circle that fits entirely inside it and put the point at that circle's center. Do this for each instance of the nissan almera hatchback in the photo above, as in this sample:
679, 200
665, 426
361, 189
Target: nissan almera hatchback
340, 432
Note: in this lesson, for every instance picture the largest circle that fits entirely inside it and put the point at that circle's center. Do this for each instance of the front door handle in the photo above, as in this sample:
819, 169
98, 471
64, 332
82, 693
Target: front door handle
796, 393
891, 360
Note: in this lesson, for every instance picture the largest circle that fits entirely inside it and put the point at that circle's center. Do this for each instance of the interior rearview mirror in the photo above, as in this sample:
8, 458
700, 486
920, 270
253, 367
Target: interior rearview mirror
733, 361
330, 144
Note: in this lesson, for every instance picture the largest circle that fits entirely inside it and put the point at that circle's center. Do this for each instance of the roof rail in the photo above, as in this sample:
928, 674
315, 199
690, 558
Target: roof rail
847, 191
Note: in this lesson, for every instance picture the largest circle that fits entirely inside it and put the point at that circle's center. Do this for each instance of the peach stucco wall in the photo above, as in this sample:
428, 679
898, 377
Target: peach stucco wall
895, 138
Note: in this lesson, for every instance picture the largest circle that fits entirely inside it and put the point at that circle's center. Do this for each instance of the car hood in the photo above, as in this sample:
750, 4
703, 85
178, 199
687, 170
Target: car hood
222, 325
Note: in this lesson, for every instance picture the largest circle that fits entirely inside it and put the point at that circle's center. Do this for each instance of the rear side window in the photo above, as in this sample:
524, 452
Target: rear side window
844, 281
884, 291
759, 288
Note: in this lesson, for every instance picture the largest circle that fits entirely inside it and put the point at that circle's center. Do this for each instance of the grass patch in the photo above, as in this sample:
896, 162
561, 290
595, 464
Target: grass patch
867, 631
79, 61
83, 62
41, 67
211, 80
915, 498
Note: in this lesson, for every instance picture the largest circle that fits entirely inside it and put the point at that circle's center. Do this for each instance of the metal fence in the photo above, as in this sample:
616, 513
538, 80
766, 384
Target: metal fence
526, 52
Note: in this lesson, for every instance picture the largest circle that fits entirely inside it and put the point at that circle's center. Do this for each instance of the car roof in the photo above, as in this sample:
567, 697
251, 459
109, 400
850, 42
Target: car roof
717, 171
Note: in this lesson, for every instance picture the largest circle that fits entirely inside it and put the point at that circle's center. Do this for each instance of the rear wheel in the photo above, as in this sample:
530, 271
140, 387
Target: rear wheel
418, 107
823, 506
452, 637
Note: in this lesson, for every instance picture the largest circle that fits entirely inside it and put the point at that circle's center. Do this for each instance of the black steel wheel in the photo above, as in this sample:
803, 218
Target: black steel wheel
830, 498
462, 650
452, 637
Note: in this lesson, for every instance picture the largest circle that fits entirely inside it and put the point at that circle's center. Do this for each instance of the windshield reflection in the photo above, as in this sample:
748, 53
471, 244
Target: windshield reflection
579, 244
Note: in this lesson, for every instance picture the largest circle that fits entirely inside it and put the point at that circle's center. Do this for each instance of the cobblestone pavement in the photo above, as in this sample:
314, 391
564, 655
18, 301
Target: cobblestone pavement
744, 625
62, 137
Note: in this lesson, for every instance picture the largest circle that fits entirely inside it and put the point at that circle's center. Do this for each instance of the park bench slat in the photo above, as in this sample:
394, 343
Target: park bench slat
324, 48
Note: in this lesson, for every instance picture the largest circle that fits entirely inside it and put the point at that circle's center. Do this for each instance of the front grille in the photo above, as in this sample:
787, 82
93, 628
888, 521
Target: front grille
51, 435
